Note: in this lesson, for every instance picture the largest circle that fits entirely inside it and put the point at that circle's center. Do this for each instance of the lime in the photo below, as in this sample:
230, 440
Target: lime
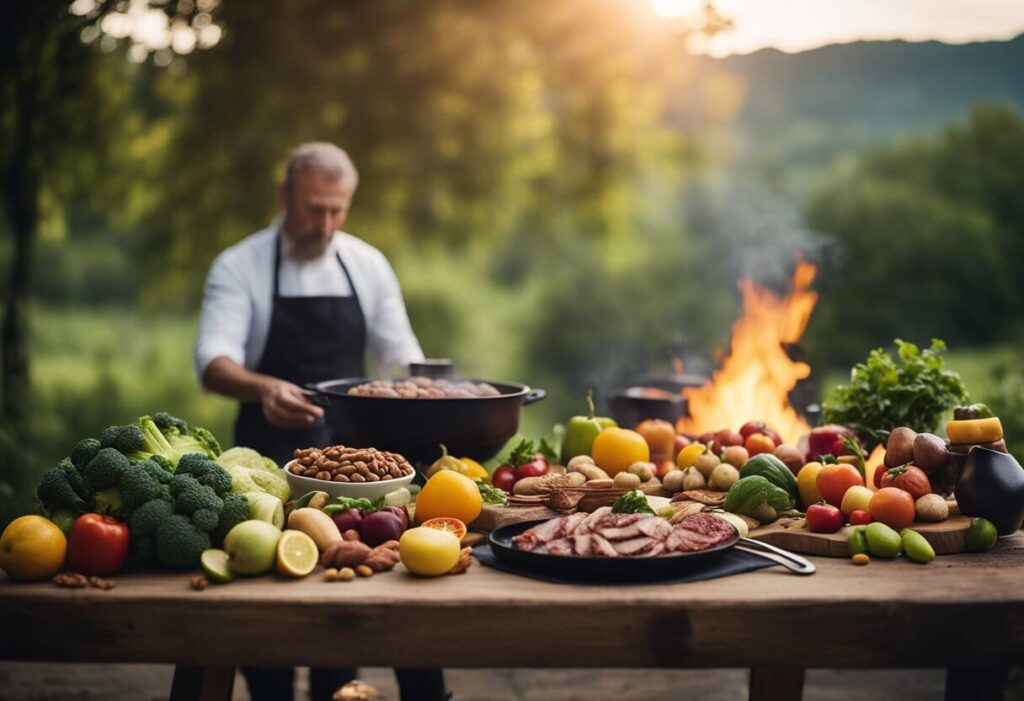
981, 535
882, 541
215, 566
297, 554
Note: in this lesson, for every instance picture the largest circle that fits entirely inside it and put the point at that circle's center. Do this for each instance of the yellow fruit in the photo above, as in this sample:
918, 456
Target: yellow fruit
297, 554
474, 470
688, 455
615, 449
975, 430
428, 551
807, 483
451, 494
32, 547
855, 498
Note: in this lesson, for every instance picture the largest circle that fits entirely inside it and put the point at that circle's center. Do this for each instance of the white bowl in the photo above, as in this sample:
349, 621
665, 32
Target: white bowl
354, 490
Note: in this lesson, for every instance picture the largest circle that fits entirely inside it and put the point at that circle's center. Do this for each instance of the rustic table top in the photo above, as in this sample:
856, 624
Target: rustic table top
960, 610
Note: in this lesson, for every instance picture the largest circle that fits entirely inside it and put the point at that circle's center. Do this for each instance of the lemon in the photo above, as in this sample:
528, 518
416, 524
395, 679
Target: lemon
297, 554
428, 551
32, 547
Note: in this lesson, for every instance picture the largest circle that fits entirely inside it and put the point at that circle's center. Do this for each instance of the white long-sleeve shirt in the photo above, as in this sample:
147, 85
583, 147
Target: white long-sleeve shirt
237, 299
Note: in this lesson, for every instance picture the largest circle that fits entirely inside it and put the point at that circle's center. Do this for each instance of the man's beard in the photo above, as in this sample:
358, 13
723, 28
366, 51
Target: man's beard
309, 247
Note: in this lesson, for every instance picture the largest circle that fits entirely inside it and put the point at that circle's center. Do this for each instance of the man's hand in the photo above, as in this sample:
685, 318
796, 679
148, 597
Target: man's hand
285, 405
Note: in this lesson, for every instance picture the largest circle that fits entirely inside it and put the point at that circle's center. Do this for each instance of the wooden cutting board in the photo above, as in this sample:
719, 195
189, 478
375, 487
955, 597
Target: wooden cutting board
494, 517
946, 537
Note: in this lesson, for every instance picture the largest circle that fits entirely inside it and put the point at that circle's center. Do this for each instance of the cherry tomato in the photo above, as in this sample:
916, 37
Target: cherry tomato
504, 478
824, 518
751, 427
97, 545
758, 443
860, 517
893, 507
877, 477
726, 438
834, 480
908, 478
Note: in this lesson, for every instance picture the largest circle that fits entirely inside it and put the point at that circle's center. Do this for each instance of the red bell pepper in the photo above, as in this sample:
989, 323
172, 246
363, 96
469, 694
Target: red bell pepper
824, 518
97, 545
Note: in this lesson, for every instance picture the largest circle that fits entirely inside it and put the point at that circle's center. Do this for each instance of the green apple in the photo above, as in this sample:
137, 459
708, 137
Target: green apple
215, 566
251, 547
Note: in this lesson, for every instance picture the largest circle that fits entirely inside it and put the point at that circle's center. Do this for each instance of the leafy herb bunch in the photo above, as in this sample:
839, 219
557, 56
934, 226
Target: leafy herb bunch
882, 394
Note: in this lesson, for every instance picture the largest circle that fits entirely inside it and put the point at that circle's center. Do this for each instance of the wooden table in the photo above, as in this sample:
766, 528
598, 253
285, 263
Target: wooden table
964, 612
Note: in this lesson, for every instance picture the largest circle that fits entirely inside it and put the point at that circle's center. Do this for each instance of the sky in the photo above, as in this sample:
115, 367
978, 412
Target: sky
796, 25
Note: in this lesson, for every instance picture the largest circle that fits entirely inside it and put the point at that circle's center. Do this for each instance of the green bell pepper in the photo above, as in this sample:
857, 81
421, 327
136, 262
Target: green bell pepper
581, 431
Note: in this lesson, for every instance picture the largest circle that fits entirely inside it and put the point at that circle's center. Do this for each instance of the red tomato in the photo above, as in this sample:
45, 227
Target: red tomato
893, 507
706, 438
771, 433
834, 480
504, 478
97, 545
726, 438
877, 477
909, 478
824, 518
758, 443
860, 517
535, 468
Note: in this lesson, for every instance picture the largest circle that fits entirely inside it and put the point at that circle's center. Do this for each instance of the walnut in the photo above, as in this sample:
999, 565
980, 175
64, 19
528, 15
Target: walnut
465, 560
347, 553
382, 559
198, 582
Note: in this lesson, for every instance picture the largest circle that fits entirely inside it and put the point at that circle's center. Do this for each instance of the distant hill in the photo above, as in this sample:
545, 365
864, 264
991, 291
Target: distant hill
810, 106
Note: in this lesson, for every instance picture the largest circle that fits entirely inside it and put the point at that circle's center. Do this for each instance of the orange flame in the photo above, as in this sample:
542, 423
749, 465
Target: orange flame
755, 379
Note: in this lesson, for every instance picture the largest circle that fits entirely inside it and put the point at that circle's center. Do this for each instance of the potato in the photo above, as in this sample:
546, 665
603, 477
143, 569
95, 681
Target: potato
706, 464
931, 507
644, 470
577, 461
930, 453
693, 479
673, 481
626, 480
900, 448
723, 477
736, 455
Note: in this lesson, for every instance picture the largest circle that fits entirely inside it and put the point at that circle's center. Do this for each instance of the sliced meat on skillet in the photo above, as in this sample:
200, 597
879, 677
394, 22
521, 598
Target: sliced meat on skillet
635, 547
619, 533
573, 521
657, 528
562, 546
581, 543
601, 547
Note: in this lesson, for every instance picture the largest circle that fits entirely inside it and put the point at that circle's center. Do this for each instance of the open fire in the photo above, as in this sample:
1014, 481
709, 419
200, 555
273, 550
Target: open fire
755, 379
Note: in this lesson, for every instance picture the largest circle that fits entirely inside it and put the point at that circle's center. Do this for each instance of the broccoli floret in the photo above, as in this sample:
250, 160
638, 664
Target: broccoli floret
146, 519
76, 480
179, 543
205, 520
181, 483
206, 471
156, 470
137, 486
208, 440
109, 503
171, 442
165, 421
105, 470
187, 501
55, 492
163, 462
236, 509
123, 439
84, 452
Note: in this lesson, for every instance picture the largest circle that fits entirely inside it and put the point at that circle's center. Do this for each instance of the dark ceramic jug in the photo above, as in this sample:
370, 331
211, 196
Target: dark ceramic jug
992, 487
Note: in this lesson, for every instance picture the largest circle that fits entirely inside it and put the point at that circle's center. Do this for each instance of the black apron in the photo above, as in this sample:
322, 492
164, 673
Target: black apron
310, 339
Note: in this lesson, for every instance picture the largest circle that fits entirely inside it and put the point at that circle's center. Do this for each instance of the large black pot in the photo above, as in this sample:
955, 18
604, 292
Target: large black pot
475, 427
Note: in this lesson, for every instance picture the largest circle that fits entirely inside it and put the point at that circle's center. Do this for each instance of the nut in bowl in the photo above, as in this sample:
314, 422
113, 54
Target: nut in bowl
339, 470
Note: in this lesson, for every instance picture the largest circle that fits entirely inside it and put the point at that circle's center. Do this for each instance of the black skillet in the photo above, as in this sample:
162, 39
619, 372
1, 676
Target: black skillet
630, 569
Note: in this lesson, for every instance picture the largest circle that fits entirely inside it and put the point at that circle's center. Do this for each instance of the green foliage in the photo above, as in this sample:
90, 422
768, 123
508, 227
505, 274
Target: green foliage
882, 395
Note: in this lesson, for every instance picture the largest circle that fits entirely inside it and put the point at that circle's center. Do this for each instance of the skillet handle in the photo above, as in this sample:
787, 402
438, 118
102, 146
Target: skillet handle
534, 395
791, 561
314, 395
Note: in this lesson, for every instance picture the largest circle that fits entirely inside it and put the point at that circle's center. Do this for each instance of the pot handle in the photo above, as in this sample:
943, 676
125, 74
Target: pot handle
314, 395
534, 395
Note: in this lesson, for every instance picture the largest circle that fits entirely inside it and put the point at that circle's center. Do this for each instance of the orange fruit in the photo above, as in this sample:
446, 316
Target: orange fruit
450, 494
615, 449
32, 547
445, 523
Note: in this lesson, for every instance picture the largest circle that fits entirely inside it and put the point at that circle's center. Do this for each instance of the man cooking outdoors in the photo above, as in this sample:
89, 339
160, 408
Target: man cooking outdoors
295, 303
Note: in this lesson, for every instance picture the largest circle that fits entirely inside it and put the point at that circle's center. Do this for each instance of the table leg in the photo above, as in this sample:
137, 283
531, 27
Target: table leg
202, 683
976, 683
776, 684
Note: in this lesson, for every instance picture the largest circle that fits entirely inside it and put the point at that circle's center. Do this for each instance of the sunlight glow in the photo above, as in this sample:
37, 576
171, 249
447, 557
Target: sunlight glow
674, 9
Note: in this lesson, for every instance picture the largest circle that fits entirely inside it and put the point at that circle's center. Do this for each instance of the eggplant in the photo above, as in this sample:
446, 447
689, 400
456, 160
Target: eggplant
992, 487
